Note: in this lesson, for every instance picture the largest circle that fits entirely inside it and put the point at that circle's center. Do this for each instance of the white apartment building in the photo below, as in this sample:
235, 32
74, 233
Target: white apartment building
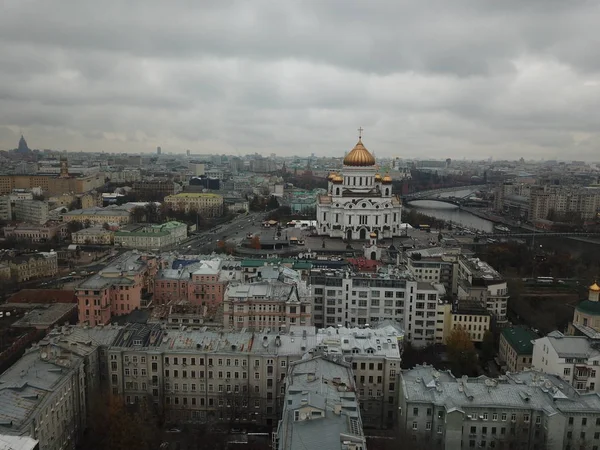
522, 410
31, 211
574, 359
478, 281
349, 299
5, 208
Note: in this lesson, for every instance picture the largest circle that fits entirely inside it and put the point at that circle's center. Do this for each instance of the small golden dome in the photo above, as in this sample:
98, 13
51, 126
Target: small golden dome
359, 156
331, 176
373, 235
594, 287
337, 179
377, 177
387, 179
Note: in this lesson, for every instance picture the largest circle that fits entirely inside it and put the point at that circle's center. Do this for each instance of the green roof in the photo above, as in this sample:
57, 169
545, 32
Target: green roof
302, 265
589, 307
520, 339
262, 262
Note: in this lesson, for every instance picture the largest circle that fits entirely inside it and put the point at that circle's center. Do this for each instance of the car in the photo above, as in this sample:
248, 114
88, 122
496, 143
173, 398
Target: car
173, 430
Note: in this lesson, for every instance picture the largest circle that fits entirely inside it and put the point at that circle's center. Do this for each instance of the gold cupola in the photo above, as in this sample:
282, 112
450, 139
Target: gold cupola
387, 179
359, 156
377, 178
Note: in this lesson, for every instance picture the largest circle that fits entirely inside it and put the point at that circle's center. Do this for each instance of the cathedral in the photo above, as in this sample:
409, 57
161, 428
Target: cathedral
359, 201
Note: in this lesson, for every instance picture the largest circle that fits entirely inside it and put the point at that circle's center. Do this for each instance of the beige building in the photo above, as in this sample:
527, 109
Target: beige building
563, 200
31, 265
208, 205
37, 233
31, 211
471, 317
516, 348
99, 216
51, 184
94, 235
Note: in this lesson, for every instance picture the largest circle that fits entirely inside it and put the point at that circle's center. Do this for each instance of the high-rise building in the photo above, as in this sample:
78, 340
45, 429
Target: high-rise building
158, 150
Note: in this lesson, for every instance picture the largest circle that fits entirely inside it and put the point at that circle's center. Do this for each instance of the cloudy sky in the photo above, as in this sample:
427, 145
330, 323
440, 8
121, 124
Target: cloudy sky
428, 79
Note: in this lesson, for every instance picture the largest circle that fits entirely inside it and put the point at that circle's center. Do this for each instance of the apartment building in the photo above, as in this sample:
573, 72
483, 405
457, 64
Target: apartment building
207, 205
121, 287
350, 299
471, 317
151, 237
43, 396
37, 233
31, 211
516, 348
563, 200
523, 410
320, 409
478, 281
5, 208
374, 355
29, 266
574, 359
198, 282
266, 304
51, 184
93, 236
152, 187
435, 265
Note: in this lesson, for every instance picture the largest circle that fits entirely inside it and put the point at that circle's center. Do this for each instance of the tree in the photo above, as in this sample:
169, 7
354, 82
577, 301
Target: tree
488, 346
115, 426
273, 203
138, 214
255, 242
74, 226
461, 352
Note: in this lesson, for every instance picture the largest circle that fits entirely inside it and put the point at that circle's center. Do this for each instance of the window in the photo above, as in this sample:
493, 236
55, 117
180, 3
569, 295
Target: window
415, 426
503, 417
583, 421
428, 426
495, 416
567, 371
415, 412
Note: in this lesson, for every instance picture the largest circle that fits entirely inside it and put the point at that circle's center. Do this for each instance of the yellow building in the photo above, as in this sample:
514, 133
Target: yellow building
472, 318
51, 184
207, 205
32, 265
99, 216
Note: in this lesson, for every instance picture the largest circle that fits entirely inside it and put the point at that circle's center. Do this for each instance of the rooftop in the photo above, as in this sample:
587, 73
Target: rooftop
43, 315
529, 390
481, 269
572, 346
194, 195
520, 339
320, 409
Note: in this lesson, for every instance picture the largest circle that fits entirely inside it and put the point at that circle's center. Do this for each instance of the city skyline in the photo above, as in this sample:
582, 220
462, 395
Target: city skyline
472, 81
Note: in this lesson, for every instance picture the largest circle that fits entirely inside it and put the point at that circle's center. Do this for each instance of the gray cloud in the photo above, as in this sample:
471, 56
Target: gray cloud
426, 79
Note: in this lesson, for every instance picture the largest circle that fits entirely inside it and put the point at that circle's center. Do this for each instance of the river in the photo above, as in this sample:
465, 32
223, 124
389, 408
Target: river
448, 212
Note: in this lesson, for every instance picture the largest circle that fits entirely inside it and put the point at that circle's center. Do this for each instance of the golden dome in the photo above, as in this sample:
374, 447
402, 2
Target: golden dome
594, 287
337, 179
373, 235
331, 176
359, 156
377, 177
387, 179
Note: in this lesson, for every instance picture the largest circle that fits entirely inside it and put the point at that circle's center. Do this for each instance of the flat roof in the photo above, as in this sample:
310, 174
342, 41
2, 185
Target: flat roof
520, 339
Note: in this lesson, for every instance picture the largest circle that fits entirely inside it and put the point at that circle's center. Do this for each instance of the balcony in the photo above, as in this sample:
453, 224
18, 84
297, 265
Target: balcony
581, 373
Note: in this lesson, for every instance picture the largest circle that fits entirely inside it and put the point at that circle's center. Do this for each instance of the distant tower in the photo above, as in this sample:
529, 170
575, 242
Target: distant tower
23, 148
158, 150
64, 167
187, 152
448, 162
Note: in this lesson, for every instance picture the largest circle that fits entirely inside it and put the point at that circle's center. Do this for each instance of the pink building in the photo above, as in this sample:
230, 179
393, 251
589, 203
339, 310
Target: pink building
121, 287
199, 283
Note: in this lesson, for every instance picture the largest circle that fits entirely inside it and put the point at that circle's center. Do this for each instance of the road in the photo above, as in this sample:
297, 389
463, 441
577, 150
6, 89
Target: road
234, 231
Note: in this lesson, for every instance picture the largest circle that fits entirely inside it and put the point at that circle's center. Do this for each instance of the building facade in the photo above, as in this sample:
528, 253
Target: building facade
37, 233
150, 237
30, 266
266, 304
93, 236
523, 410
516, 348
31, 211
207, 205
120, 288
359, 201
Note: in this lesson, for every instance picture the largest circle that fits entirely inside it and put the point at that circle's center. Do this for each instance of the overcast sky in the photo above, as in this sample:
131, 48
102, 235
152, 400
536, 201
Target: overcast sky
427, 79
